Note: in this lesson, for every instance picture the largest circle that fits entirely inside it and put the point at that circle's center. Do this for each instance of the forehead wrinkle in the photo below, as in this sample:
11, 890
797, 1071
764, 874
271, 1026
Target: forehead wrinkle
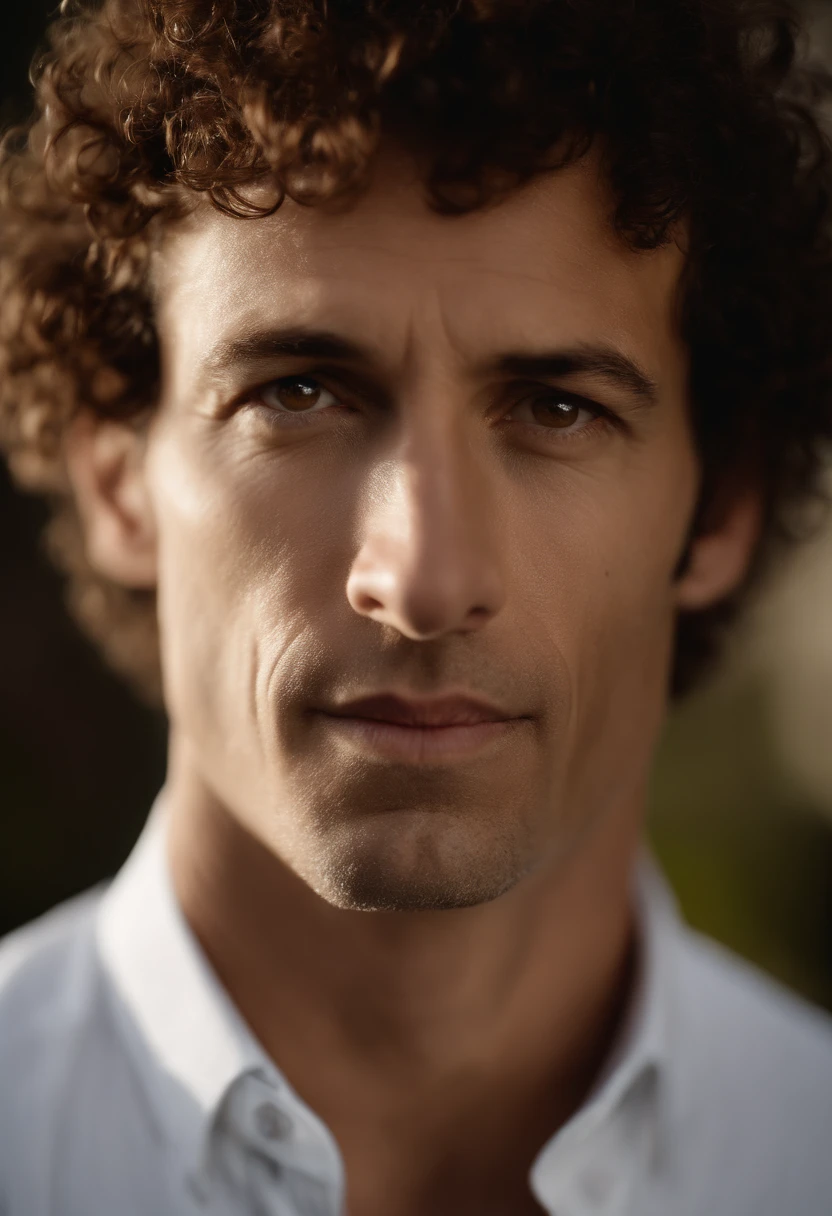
431, 342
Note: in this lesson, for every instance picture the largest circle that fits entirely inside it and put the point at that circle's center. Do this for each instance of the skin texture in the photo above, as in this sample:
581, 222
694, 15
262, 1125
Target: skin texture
452, 937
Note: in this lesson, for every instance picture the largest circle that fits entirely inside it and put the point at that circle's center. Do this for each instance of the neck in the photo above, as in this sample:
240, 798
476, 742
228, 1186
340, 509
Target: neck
517, 999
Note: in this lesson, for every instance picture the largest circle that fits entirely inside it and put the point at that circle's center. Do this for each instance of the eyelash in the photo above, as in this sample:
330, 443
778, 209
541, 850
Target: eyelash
602, 418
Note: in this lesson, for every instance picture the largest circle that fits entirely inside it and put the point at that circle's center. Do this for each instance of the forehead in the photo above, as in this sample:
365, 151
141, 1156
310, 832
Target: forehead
391, 274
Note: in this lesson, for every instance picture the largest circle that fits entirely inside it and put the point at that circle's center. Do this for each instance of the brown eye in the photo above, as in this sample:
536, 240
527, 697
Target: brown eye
555, 412
296, 395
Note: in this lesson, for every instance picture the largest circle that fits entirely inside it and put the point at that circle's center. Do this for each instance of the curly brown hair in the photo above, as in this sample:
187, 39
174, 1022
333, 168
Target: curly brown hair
703, 111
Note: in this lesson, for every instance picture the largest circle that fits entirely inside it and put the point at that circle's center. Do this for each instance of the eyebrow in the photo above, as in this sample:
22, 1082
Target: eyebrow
283, 344
602, 360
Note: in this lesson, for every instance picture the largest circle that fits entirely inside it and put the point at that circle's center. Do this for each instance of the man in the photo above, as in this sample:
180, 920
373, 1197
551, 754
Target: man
427, 383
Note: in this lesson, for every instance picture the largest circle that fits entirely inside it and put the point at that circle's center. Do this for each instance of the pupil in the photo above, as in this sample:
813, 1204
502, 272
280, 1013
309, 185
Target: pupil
556, 413
296, 394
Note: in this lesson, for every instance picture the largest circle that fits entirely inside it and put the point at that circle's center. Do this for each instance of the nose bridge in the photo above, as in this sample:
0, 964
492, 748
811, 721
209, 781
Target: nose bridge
430, 559
439, 483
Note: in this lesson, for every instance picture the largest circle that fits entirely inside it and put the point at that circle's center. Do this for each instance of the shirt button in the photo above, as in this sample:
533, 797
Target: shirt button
272, 1123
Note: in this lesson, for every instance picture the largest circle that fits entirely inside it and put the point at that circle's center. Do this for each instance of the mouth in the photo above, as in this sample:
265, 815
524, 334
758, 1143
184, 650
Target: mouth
420, 731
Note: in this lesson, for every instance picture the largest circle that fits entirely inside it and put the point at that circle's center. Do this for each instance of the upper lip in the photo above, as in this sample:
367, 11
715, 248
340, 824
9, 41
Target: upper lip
411, 711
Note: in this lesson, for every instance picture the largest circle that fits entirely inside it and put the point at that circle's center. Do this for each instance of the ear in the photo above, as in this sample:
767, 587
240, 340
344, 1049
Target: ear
105, 463
719, 556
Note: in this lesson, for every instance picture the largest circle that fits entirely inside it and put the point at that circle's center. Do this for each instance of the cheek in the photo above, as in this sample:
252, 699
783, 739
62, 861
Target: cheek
245, 547
617, 614
601, 544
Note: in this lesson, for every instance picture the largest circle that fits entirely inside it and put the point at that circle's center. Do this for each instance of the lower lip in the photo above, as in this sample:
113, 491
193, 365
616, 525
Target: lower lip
420, 744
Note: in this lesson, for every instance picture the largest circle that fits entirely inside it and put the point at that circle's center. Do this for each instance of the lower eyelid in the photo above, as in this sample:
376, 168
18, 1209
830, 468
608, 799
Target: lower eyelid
598, 424
277, 418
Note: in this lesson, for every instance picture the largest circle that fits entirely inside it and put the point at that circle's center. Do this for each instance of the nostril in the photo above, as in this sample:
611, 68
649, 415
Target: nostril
367, 603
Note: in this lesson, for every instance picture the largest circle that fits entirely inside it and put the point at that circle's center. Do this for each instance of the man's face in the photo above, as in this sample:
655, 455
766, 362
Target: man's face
406, 455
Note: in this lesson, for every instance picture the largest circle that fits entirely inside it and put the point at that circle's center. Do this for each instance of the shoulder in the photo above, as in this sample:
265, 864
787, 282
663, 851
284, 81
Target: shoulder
48, 992
751, 1092
76, 1135
748, 1018
45, 969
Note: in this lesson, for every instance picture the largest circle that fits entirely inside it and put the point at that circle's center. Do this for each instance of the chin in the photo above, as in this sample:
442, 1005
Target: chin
414, 863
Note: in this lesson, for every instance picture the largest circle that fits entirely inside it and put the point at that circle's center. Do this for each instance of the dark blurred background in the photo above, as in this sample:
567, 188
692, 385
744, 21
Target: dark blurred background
741, 813
80, 761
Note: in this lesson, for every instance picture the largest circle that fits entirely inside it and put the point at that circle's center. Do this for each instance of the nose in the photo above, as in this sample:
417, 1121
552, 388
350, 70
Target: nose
429, 562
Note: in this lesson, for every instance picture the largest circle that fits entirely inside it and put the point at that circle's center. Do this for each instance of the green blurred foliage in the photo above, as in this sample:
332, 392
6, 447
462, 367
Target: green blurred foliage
749, 858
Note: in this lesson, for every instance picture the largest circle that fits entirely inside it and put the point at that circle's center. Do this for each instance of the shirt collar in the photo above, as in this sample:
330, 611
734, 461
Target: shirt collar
619, 1124
187, 1040
190, 1045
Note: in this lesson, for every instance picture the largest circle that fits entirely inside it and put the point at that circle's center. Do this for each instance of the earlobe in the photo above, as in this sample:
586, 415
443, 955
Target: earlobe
719, 558
105, 464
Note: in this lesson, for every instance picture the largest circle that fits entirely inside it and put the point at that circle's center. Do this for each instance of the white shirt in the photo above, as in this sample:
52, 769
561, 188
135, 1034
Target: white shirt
130, 1085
